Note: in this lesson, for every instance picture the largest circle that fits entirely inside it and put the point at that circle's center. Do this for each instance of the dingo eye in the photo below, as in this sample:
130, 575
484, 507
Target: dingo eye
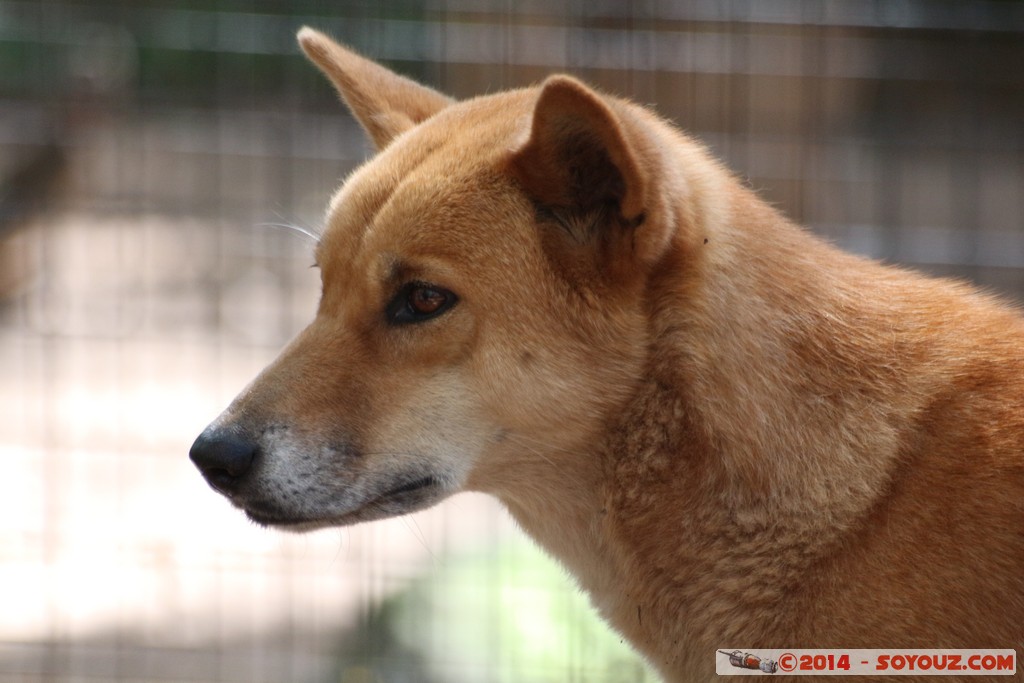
417, 302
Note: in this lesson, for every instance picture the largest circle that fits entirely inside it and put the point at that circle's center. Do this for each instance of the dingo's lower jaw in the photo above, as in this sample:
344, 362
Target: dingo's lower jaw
402, 498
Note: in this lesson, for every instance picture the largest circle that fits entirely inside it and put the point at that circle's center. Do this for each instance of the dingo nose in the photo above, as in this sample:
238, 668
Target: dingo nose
223, 457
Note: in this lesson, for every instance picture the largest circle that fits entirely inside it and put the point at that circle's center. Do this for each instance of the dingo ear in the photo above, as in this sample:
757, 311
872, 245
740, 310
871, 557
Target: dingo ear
383, 102
578, 156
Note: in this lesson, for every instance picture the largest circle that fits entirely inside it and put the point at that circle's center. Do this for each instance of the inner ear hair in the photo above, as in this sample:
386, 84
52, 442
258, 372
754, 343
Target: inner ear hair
592, 188
593, 178
584, 225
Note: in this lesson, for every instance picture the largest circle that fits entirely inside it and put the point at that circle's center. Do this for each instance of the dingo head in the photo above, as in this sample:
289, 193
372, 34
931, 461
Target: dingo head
483, 303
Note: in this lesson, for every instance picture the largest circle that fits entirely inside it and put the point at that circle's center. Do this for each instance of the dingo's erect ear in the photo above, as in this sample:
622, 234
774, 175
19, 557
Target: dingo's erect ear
385, 103
578, 155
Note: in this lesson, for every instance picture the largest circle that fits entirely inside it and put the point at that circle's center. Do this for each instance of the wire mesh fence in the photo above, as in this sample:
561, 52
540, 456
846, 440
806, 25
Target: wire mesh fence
150, 152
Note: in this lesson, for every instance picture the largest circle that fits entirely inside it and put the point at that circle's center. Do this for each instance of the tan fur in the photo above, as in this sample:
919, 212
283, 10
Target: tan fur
731, 433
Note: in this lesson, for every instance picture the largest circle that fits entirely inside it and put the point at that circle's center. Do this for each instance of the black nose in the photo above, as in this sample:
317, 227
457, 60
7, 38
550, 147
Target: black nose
223, 457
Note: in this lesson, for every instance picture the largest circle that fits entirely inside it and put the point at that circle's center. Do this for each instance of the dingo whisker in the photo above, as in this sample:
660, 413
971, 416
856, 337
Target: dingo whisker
306, 232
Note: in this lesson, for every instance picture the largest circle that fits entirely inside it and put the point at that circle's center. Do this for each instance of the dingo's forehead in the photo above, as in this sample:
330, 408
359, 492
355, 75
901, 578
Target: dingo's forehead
438, 194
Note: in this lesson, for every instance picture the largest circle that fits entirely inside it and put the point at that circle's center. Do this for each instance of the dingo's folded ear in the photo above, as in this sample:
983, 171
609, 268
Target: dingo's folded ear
578, 155
385, 103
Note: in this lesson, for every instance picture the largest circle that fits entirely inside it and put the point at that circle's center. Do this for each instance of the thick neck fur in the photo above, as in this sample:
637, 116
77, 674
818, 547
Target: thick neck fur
773, 418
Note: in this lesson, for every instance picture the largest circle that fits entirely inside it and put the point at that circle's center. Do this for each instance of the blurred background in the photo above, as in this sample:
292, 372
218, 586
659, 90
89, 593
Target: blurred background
149, 147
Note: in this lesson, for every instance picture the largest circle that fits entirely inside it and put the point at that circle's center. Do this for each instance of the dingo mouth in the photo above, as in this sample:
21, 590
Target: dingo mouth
406, 497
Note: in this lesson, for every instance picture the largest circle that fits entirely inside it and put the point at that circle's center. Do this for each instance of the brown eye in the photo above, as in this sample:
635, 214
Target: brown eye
418, 301
426, 300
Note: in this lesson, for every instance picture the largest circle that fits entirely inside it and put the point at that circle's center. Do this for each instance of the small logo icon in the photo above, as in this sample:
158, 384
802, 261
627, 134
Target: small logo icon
745, 660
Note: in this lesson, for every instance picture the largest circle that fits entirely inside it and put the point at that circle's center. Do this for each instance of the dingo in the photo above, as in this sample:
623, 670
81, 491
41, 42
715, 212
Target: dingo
731, 433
